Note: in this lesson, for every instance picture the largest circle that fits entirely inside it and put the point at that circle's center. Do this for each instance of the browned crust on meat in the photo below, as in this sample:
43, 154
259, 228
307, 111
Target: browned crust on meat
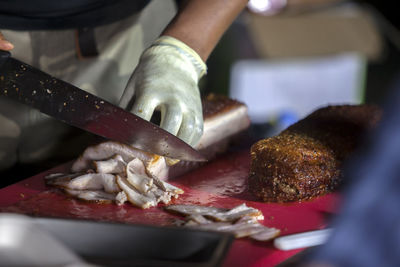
213, 105
304, 160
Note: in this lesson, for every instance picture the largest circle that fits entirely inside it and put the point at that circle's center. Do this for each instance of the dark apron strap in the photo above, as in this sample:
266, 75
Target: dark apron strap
86, 43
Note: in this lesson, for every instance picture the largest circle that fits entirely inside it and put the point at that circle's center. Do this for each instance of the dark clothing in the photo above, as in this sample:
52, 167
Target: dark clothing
68, 14
367, 231
387, 8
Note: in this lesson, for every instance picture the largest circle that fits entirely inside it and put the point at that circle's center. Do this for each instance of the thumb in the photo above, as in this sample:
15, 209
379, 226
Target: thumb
4, 44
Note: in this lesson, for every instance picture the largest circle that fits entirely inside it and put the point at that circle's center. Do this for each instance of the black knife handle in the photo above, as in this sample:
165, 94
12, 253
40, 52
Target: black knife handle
4, 55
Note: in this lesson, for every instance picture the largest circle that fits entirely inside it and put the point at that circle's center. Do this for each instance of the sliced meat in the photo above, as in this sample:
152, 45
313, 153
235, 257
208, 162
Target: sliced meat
193, 209
94, 195
121, 198
158, 167
142, 183
133, 196
106, 150
136, 166
242, 221
168, 187
216, 214
115, 165
198, 219
238, 212
160, 195
136, 176
88, 181
266, 234
132, 185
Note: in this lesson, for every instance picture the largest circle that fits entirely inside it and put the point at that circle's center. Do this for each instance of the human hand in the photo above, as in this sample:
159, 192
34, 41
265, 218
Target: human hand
4, 44
166, 79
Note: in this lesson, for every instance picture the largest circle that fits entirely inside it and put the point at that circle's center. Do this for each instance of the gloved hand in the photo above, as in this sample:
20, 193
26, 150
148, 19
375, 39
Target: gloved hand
4, 44
166, 79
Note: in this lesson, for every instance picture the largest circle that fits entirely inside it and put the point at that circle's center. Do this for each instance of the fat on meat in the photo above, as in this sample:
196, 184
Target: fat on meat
115, 164
88, 181
217, 214
106, 150
92, 195
136, 166
133, 196
242, 221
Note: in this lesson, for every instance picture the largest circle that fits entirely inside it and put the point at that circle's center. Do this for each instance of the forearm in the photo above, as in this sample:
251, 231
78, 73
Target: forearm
201, 23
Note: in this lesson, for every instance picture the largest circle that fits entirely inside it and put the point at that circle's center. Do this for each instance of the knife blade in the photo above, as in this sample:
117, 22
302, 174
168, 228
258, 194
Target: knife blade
76, 107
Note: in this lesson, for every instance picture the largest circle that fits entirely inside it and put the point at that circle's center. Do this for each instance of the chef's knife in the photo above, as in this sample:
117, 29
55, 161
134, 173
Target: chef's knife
81, 109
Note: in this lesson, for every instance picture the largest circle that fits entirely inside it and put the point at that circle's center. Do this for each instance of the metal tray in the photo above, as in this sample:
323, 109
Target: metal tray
109, 244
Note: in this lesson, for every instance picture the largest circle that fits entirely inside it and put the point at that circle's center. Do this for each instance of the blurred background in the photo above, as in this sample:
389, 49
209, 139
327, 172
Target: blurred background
285, 58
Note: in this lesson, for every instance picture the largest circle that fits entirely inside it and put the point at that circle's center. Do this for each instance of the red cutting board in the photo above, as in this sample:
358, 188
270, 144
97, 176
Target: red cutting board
220, 183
